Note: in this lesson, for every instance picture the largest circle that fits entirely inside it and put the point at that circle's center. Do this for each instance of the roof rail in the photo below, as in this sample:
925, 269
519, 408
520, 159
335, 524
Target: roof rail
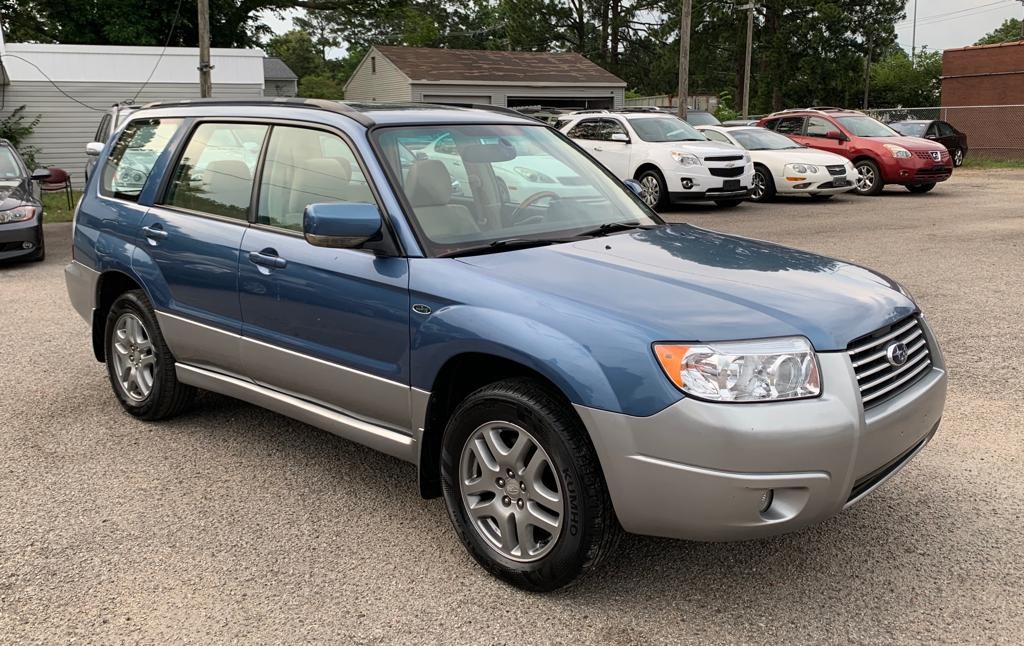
589, 111
337, 107
490, 108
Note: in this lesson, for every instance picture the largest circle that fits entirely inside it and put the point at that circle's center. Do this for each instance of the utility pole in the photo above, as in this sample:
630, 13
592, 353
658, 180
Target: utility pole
685, 15
205, 83
867, 73
913, 38
750, 53
1021, 21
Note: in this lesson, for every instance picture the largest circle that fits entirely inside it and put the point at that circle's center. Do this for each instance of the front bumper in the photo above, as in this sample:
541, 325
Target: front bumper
698, 470
698, 184
14, 237
821, 183
917, 170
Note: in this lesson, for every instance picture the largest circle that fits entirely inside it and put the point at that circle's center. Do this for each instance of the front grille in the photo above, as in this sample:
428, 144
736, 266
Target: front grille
864, 484
939, 174
836, 170
877, 378
924, 154
726, 172
725, 158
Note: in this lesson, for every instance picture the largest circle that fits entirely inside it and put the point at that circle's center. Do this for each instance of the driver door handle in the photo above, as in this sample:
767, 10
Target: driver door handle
155, 232
265, 259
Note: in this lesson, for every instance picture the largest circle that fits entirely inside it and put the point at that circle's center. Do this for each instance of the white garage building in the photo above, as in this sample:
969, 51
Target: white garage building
506, 79
70, 87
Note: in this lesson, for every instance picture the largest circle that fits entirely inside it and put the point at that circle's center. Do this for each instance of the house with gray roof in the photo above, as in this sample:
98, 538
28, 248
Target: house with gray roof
278, 78
501, 78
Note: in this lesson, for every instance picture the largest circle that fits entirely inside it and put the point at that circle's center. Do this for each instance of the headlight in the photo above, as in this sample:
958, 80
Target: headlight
534, 176
802, 169
899, 152
18, 214
743, 371
686, 159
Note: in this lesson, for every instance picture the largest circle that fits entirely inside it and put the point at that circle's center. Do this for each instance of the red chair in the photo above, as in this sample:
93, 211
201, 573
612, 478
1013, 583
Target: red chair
58, 180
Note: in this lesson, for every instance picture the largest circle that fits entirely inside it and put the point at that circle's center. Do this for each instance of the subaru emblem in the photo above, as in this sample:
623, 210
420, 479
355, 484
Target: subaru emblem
897, 354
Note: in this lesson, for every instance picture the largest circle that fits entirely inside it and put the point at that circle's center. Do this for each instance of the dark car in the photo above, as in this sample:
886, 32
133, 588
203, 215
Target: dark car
21, 214
940, 131
701, 118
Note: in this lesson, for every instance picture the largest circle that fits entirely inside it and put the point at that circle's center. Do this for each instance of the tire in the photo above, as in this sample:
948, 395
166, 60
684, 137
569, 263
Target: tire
155, 392
509, 413
763, 185
655, 192
920, 188
821, 198
40, 254
958, 157
728, 204
869, 178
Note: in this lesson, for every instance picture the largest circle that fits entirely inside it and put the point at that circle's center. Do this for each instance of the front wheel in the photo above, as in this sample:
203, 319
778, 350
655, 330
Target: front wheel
139, 363
920, 188
958, 157
653, 191
762, 188
728, 204
869, 178
523, 486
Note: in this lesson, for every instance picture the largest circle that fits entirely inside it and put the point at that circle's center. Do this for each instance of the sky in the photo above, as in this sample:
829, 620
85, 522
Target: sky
941, 24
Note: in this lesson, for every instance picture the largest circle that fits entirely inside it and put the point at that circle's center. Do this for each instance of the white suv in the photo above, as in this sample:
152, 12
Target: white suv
672, 161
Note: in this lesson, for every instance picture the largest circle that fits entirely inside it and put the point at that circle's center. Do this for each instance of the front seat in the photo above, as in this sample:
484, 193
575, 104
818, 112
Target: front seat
227, 183
429, 187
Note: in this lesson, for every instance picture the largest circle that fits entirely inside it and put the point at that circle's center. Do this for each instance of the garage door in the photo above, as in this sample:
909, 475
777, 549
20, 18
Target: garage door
466, 99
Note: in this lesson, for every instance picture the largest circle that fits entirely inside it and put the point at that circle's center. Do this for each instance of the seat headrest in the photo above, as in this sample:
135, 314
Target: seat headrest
226, 170
429, 183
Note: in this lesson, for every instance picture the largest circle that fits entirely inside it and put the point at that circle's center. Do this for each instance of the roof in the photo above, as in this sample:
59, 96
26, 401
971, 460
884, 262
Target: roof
366, 114
116, 64
433, 65
275, 69
1012, 43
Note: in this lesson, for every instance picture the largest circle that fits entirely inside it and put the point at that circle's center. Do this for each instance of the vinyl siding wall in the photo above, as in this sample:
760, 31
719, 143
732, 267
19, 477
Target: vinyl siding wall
499, 93
65, 127
388, 84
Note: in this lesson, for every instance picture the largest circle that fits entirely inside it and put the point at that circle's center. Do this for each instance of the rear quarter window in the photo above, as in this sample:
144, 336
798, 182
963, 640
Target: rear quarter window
133, 156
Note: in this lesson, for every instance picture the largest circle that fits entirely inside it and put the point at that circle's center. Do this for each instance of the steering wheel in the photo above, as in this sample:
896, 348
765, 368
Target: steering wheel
530, 201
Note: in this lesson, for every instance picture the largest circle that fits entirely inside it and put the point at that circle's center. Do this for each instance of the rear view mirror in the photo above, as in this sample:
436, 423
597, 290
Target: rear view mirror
40, 175
93, 149
619, 136
341, 225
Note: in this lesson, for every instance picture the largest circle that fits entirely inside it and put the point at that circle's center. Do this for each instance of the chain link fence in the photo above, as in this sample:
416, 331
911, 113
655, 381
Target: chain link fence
994, 132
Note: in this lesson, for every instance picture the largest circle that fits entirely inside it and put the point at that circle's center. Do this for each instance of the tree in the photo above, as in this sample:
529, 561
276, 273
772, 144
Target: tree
1007, 32
320, 86
298, 51
896, 81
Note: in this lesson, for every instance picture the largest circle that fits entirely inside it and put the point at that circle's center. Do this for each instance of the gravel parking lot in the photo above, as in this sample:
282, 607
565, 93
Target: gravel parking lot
235, 524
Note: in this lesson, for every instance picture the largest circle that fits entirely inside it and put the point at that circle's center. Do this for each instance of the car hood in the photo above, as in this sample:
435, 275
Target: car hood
684, 283
702, 148
15, 193
799, 156
913, 143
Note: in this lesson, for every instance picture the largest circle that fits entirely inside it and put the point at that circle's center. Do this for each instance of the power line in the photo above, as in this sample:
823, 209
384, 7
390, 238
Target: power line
954, 15
174, 24
53, 83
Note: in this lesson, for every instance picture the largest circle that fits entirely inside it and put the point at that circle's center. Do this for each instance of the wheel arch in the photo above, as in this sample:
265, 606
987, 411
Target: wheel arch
111, 284
646, 166
461, 375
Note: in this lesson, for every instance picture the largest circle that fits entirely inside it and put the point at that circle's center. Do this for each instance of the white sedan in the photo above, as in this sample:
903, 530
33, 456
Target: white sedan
781, 165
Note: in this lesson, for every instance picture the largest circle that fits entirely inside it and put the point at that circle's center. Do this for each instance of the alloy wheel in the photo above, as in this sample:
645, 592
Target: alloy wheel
134, 357
958, 157
865, 178
511, 491
759, 182
650, 191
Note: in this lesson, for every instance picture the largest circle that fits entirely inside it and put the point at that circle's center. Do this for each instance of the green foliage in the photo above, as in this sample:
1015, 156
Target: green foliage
896, 81
725, 111
298, 51
15, 128
1007, 32
320, 86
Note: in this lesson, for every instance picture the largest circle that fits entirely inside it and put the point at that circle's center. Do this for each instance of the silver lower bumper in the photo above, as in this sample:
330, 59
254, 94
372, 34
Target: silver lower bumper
698, 470
81, 282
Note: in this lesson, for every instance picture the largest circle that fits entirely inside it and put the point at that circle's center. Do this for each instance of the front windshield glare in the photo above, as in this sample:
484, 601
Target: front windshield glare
659, 129
910, 129
472, 185
9, 167
761, 139
866, 127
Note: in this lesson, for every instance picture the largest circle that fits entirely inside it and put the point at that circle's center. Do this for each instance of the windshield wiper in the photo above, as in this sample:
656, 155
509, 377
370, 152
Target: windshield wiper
505, 244
614, 227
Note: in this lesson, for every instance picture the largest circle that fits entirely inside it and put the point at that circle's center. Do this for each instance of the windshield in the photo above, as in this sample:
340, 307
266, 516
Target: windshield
761, 139
866, 127
658, 129
490, 183
910, 128
9, 166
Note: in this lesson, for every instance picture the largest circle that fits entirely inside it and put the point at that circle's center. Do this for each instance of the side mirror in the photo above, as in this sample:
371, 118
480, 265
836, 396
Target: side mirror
836, 135
94, 148
40, 175
634, 186
619, 136
341, 225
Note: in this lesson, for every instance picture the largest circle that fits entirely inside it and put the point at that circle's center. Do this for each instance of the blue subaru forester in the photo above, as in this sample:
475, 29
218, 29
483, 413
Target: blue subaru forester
467, 290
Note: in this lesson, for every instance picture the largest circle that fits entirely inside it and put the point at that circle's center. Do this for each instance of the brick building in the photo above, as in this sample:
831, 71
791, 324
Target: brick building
983, 95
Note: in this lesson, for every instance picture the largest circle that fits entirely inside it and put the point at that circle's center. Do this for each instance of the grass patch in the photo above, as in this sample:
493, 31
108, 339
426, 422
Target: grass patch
984, 164
55, 206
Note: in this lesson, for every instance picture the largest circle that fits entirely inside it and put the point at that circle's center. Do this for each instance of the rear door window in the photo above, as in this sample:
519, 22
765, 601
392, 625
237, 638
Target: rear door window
818, 127
790, 126
133, 156
215, 173
587, 129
